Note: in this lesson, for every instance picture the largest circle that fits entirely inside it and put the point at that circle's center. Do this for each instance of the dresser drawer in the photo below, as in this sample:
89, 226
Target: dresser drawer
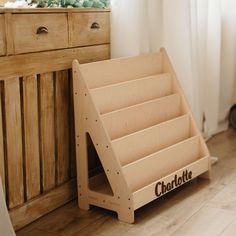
2, 36
39, 32
90, 28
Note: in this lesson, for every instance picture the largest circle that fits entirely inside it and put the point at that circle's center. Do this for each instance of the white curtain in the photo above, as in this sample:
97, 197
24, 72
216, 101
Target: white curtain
192, 36
136, 27
228, 58
191, 31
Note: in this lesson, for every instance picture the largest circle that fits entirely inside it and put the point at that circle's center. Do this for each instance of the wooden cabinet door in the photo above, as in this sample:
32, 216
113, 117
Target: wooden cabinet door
90, 28
39, 32
2, 36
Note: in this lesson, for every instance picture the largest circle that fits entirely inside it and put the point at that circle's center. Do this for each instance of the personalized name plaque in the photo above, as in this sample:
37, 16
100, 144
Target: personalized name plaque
162, 188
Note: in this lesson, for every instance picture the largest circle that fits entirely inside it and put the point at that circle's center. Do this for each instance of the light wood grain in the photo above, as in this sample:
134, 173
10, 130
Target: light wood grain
121, 70
25, 35
83, 34
208, 221
168, 68
47, 131
147, 194
102, 139
230, 229
132, 119
225, 199
36, 63
132, 92
31, 136
62, 126
14, 142
165, 217
161, 164
143, 174
145, 142
2, 36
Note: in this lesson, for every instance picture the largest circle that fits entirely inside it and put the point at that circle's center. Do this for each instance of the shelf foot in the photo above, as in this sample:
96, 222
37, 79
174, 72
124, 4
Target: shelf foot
214, 160
83, 204
126, 216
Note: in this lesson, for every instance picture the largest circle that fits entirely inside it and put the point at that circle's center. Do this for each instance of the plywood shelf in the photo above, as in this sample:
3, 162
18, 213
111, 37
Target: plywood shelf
162, 163
133, 92
143, 131
142, 143
117, 71
100, 184
146, 194
131, 119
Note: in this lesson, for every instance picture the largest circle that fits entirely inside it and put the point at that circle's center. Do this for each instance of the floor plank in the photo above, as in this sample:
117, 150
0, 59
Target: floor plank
226, 198
207, 221
230, 230
35, 232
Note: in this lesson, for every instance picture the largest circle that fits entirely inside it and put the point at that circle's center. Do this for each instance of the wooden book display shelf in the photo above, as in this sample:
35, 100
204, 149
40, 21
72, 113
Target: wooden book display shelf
134, 112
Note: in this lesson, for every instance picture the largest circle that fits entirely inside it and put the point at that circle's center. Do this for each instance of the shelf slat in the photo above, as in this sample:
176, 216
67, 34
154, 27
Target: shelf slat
121, 69
153, 167
131, 119
147, 194
117, 96
145, 142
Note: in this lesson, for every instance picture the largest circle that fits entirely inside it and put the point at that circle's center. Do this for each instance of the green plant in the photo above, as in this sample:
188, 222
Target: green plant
88, 3
69, 3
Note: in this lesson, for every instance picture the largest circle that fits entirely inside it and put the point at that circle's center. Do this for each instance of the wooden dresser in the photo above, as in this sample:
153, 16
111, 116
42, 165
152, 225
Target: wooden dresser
37, 150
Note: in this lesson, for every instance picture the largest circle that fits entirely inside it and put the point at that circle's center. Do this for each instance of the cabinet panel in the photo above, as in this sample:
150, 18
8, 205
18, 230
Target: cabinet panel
90, 28
39, 32
37, 162
2, 35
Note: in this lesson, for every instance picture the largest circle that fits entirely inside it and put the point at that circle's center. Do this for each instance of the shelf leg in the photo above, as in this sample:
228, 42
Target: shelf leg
83, 204
126, 216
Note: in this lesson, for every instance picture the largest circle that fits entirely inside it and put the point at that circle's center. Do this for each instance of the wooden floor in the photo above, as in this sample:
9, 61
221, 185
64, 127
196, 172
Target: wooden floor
201, 207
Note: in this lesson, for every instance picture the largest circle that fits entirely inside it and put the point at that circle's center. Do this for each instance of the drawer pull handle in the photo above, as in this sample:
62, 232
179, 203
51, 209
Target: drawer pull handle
95, 26
42, 30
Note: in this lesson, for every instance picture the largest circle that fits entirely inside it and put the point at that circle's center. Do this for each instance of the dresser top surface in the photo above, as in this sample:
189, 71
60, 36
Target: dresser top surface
51, 10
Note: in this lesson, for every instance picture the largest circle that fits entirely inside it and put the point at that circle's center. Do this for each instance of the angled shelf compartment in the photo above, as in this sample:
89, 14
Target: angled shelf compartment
142, 129
133, 92
147, 141
162, 163
131, 119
